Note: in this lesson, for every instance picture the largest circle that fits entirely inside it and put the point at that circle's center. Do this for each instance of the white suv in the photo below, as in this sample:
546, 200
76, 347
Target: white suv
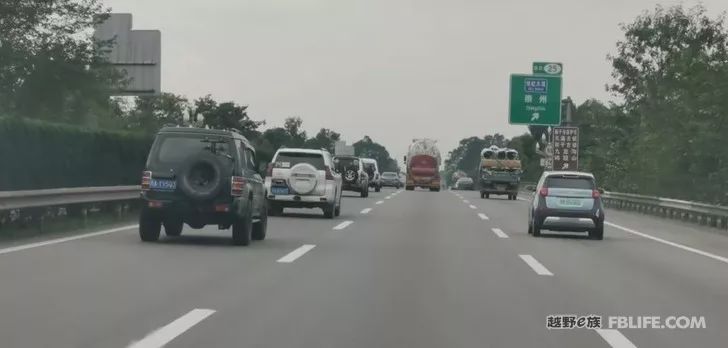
372, 169
303, 178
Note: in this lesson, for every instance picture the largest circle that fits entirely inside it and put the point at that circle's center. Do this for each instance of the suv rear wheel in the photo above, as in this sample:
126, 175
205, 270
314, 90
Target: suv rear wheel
173, 227
535, 227
329, 210
242, 229
274, 209
260, 227
149, 227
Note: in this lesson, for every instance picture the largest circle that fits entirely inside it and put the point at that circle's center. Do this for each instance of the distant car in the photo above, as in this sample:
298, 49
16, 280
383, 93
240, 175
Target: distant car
391, 179
464, 184
372, 169
303, 178
353, 174
566, 201
202, 177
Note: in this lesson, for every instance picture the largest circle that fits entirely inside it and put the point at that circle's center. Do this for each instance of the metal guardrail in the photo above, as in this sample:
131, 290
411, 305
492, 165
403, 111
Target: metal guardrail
66, 196
701, 213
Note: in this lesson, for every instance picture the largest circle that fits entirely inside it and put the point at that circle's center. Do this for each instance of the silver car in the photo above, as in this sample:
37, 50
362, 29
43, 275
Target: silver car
566, 201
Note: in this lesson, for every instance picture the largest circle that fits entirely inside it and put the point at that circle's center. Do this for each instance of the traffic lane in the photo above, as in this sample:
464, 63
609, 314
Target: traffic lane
421, 272
108, 290
627, 275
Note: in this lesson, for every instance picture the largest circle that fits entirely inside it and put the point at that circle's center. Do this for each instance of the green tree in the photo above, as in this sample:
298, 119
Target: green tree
325, 139
367, 148
153, 112
50, 67
671, 69
292, 125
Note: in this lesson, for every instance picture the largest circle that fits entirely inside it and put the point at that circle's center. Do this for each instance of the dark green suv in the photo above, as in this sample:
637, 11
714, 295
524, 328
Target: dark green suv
202, 177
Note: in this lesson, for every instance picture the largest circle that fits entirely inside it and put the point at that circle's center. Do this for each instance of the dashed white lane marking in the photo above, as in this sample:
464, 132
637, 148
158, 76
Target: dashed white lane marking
167, 333
535, 265
498, 232
521, 199
65, 239
343, 225
293, 255
466, 201
483, 216
473, 207
615, 338
379, 202
677, 245
366, 211
388, 197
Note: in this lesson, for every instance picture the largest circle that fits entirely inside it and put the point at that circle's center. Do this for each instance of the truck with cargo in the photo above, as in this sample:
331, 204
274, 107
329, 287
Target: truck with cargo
499, 172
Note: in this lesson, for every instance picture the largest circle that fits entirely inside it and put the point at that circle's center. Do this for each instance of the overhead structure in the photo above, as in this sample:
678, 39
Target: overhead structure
138, 53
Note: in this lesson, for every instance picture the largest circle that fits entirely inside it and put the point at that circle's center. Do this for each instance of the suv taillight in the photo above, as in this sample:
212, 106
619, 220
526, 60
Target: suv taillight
237, 184
329, 175
269, 171
595, 194
544, 191
146, 180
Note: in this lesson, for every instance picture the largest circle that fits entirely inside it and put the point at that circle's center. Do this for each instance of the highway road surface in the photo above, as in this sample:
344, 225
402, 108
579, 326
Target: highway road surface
398, 269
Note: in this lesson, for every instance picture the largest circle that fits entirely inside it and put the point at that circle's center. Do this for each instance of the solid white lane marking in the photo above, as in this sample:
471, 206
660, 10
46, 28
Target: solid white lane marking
343, 225
65, 239
535, 265
473, 207
677, 245
366, 211
167, 333
615, 338
293, 255
379, 202
498, 232
483, 216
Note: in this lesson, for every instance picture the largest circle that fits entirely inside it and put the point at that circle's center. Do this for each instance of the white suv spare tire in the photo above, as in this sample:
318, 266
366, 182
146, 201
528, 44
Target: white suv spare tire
303, 178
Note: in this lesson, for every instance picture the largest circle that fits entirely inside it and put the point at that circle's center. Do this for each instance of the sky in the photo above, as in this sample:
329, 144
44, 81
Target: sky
391, 69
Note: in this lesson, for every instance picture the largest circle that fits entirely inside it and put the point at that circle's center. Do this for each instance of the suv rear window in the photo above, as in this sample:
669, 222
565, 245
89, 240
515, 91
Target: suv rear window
176, 148
389, 175
570, 182
287, 160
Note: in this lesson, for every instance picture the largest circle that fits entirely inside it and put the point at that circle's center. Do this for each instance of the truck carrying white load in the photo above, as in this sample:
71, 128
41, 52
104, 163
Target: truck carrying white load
424, 147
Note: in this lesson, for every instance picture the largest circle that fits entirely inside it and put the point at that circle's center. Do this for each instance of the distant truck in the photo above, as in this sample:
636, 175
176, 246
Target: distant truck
423, 165
499, 172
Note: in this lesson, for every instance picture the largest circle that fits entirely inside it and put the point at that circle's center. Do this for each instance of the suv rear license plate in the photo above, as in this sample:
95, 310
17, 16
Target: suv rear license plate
279, 190
566, 202
164, 185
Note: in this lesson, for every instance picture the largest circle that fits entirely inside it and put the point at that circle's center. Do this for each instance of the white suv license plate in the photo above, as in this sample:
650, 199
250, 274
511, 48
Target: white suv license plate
566, 202
279, 190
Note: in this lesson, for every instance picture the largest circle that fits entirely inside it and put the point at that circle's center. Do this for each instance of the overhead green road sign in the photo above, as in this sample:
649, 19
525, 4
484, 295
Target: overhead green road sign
548, 68
535, 100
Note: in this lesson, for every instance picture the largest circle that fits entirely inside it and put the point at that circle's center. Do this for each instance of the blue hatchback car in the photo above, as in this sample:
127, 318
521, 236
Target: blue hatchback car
567, 201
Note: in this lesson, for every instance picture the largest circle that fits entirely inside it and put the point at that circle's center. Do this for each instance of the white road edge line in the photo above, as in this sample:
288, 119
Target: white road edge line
680, 246
379, 202
483, 216
169, 332
498, 232
473, 207
535, 265
343, 225
615, 338
293, 255
65, 239
366, 211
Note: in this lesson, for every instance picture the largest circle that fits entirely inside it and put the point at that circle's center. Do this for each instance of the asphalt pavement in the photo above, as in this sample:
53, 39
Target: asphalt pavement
397, 269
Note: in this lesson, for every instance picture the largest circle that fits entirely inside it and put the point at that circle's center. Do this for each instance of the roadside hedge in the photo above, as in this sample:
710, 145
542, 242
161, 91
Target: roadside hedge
38, 155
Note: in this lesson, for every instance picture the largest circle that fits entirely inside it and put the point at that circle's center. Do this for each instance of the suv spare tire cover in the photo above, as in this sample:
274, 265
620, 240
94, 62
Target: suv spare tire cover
350, 175
303, 178
202, 175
